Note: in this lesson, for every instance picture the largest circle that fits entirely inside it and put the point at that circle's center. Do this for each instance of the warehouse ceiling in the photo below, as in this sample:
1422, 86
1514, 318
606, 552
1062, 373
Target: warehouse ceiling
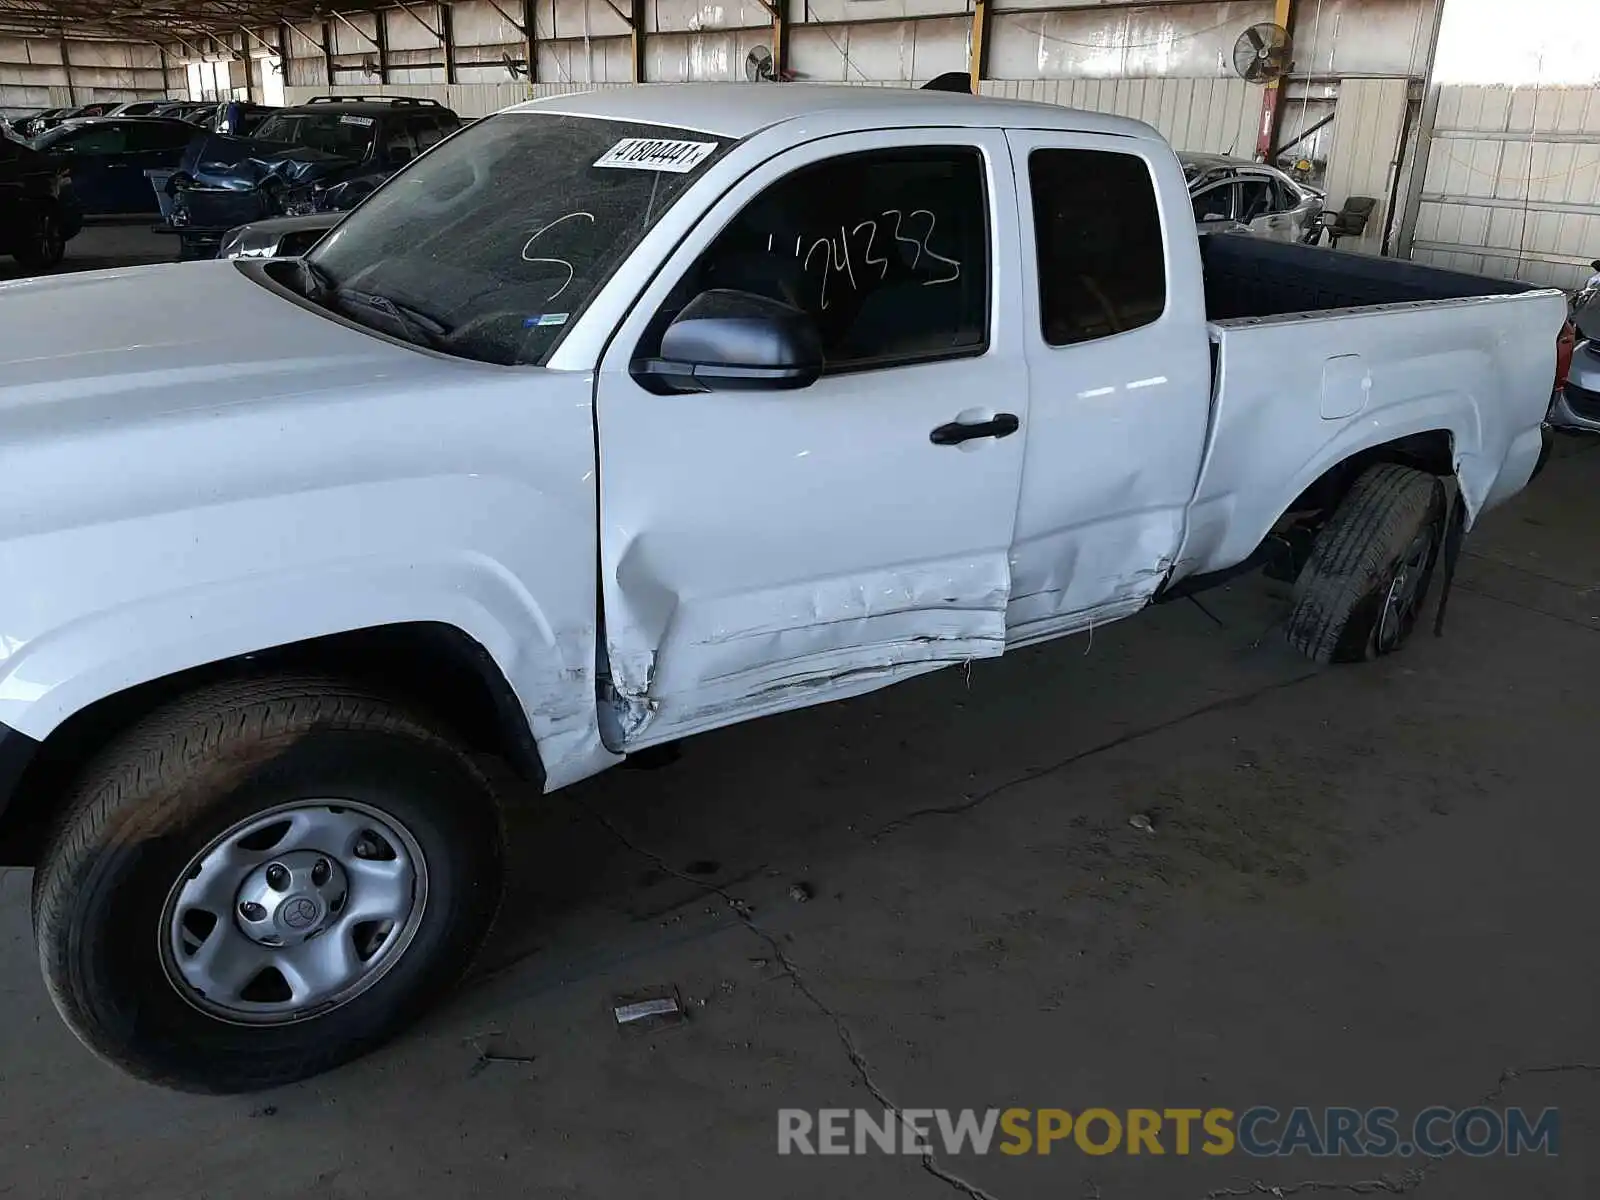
160, 20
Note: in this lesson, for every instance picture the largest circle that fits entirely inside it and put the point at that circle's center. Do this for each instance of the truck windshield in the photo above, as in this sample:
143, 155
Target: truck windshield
496, 239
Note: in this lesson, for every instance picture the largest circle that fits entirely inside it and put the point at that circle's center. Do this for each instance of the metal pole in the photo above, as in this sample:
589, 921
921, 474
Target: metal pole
1272, 94
66, 69
780, 39
447, 40
380, 41
1412, 207
530, 33
978, 43
636, 38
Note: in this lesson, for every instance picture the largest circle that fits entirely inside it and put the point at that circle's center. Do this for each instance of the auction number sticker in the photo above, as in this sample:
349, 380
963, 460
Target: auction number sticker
656, 154
355, 120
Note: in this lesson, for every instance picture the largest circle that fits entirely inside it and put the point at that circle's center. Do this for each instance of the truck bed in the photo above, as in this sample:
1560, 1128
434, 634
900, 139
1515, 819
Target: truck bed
1250, 277
1318, 355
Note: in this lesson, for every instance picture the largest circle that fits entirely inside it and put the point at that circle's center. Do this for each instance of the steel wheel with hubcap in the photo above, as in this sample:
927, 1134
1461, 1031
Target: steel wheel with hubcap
265, 880
294, 912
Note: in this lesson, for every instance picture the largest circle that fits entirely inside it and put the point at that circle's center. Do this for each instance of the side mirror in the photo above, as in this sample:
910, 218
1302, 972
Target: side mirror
726, 340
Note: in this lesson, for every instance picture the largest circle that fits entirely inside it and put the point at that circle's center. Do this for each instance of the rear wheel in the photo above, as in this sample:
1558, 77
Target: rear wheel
1364, 586
264, 881
44, 243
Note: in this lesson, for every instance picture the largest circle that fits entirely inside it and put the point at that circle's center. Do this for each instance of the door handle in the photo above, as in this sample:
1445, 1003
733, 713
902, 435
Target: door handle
999, 426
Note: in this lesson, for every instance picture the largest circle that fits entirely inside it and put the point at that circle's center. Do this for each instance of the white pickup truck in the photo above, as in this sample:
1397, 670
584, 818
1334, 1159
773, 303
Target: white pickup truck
622, 416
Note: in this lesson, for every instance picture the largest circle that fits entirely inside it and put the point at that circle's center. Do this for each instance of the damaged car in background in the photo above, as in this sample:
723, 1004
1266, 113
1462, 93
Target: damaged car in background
1577, 399
39, 211
277, 237
326, 155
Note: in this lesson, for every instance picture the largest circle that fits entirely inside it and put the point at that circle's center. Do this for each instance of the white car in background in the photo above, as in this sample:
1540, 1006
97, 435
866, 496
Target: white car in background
1262, 199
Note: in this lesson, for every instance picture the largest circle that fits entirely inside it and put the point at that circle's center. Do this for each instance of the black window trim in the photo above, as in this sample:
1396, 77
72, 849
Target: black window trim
1232, 184
1163, 226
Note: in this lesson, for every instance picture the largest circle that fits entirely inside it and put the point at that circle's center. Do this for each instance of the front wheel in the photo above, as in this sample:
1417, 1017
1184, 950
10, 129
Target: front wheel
1363, 588
264, 881
45, 243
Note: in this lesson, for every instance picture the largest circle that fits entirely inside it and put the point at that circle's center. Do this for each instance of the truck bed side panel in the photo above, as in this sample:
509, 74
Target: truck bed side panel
1297, 395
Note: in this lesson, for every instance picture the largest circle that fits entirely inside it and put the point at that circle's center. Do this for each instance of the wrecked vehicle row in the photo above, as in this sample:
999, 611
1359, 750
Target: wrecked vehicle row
323, 156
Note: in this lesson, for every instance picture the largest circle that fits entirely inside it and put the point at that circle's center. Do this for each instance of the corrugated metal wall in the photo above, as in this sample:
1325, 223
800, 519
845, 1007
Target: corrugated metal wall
1513, 183
466, 99
35, 73
1214, 115
1365, 158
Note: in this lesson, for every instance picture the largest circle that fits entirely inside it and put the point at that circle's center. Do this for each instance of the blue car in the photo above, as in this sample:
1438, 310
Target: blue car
325, 155
108, 158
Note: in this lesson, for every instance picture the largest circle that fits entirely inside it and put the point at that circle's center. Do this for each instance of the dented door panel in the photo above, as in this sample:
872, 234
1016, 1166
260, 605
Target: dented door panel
1118, 419
764, 551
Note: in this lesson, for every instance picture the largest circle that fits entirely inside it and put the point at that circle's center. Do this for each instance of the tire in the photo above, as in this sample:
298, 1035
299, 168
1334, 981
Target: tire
110, 894
46, 243
1380, 545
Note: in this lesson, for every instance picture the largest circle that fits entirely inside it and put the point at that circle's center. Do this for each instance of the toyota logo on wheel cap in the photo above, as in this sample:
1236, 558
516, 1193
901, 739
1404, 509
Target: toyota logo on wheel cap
301, 912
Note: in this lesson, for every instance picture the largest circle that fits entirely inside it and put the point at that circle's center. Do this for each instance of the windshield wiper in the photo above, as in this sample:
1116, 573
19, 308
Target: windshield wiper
309, 280
421, 328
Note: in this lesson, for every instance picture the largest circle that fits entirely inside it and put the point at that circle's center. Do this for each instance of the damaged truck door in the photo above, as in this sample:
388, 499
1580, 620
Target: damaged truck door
776, 533
1120, 374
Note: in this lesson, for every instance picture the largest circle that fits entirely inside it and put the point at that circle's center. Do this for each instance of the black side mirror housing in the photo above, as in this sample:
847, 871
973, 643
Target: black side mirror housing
726, 340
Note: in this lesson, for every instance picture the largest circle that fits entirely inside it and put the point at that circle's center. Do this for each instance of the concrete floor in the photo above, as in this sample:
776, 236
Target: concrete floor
108, 242
1364, 886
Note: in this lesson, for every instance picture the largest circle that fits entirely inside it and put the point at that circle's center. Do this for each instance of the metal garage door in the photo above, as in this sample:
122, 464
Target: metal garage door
1366, 151
1513, 183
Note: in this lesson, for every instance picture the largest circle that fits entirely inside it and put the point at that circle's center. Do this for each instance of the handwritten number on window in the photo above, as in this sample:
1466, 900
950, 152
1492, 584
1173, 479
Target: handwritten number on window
953, 264
835, 253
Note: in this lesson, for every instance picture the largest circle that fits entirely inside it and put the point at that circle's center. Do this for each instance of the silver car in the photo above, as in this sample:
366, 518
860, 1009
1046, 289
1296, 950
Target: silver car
1263, 200
1577, 405
277, 237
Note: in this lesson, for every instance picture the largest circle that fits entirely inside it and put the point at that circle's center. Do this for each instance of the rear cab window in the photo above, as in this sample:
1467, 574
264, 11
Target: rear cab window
1097, 233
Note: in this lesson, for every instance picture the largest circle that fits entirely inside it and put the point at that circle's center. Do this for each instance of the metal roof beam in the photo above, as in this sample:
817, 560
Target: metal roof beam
358, 31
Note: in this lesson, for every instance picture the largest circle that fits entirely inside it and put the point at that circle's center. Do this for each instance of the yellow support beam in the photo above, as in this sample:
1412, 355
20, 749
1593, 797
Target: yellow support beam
978, 44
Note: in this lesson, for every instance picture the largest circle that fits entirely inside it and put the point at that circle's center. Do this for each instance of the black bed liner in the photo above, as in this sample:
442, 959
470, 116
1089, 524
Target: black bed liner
1254, 277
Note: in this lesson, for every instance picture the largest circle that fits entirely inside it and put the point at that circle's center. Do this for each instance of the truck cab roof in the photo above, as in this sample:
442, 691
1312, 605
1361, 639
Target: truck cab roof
737, 110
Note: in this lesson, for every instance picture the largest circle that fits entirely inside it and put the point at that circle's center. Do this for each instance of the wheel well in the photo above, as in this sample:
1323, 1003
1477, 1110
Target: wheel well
1433, 451
436, 668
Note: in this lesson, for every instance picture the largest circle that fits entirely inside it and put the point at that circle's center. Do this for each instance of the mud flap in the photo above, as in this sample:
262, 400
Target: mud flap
1455, 532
